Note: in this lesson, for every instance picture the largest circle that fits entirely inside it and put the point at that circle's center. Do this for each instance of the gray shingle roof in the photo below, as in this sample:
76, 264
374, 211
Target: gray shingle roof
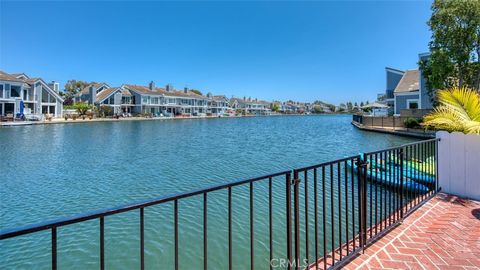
410, 82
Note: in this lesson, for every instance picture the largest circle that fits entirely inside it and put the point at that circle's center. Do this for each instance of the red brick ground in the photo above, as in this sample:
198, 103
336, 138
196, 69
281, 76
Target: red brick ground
442, 234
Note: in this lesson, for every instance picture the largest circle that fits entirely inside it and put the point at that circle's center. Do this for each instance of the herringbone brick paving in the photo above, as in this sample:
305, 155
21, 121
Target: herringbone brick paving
442, 234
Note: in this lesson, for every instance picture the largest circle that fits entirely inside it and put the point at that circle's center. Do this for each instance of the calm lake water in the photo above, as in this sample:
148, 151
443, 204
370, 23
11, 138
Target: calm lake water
52, 171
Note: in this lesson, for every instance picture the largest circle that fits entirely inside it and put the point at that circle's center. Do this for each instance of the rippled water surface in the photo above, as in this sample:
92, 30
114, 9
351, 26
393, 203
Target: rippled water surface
52, 171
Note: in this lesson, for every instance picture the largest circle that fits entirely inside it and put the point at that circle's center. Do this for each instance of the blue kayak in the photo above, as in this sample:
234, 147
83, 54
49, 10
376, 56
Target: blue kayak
408, 171
417, 176
381, 177
419, 167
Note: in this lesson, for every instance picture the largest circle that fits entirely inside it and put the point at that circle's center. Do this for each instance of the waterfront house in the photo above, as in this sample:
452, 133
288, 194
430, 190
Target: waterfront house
168, 101
289, 108
250, 106
121, 100
145, 99
35, 95
393, 77
89, 92
296, 107
406, 91
101, 94
217, 105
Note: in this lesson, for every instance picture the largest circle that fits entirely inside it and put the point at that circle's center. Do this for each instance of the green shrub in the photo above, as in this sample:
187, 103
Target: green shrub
82, 107
105, 111
412, 122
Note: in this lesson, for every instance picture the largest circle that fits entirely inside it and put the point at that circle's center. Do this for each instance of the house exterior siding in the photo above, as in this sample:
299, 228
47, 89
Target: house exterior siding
410, 85
401, 102
393, 78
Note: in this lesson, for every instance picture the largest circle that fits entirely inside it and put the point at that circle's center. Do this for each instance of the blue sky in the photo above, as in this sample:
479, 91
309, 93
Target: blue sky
331, 51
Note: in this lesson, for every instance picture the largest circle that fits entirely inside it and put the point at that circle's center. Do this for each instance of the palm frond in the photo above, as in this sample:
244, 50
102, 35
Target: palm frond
459, 111
473, 127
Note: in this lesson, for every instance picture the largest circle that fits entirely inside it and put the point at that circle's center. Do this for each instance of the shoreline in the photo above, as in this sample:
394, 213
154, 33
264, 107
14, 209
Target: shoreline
98, 120
398, 131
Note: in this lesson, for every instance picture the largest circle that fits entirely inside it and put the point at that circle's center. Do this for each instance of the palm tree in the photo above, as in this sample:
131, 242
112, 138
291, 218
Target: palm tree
459, 110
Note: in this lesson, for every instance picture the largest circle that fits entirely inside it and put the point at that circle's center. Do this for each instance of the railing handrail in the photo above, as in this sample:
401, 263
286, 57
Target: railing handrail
326, 163
36, 227
18, 231
347, 177
401, 146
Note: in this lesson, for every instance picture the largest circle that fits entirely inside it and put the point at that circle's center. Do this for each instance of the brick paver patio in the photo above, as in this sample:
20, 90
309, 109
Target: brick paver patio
442, 234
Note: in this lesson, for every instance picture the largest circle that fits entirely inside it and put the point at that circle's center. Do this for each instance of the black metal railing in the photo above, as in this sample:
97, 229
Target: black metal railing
317, 217
401, 179
337, 187
349, 203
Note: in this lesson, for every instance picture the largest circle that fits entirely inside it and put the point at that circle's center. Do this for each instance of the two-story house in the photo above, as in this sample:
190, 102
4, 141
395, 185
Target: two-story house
21, 93
406, 91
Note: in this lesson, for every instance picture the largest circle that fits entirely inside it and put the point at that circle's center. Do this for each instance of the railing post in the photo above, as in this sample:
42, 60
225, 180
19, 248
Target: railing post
365, 195
401, 153
54, 248
362, 192
296, 215
288, 184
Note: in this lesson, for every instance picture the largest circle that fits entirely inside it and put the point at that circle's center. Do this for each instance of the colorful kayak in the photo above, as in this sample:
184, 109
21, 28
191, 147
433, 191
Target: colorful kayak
424, 167
408, 171
376, 175
417, 167
420, 177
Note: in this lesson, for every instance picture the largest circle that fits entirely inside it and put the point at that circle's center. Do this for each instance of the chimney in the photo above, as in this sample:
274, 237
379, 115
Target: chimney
55, 86
185, 90
168, 87
93, 94
151, 85
209, 95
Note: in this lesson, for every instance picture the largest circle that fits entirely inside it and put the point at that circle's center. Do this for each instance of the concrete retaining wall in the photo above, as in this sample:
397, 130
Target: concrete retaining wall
459, 164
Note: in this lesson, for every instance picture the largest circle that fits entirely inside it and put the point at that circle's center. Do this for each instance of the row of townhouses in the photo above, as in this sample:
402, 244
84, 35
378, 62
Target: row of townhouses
23, 95
137, 99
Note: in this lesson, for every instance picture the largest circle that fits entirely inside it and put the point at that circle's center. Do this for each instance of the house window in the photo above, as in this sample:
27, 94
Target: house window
9, 108
412, 104
1, 91
126, 100
15, 91
47, 97
48, 109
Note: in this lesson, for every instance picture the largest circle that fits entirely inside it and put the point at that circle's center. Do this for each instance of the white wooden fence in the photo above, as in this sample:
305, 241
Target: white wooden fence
459, 164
